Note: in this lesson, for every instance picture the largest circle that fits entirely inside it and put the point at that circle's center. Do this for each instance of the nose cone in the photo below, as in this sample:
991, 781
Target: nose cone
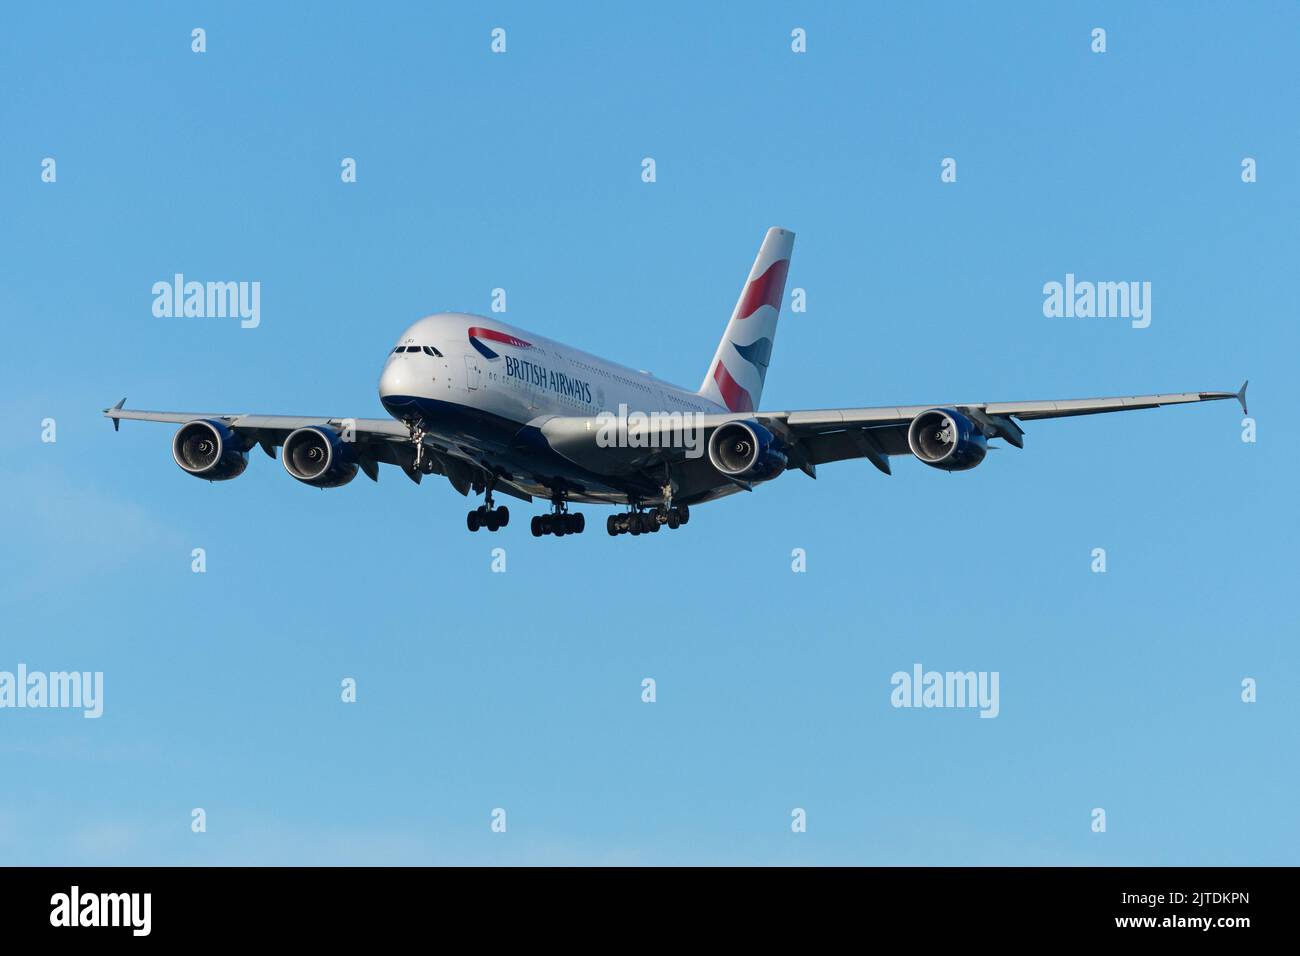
396, 386
391, 379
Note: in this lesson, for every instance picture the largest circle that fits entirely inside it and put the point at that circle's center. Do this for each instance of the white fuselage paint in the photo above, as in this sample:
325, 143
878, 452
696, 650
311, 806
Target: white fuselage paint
521, 384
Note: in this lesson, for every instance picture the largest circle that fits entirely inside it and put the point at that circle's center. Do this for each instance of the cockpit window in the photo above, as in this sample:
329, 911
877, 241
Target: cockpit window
430, 350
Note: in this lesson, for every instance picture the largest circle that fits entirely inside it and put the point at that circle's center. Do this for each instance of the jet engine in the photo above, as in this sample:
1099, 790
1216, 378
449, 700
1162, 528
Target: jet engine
944, 438
207, 448
318, 456
747, 451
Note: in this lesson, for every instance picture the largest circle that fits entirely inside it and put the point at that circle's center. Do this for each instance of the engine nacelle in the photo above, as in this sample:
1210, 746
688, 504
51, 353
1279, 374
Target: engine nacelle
947, 439
211, 449
318, 456
747, 451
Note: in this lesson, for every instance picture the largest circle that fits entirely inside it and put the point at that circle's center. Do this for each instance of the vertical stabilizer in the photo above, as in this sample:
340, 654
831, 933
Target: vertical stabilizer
735, 377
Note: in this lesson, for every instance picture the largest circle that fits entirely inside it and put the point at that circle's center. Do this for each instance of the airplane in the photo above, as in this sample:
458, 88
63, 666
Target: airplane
496, 408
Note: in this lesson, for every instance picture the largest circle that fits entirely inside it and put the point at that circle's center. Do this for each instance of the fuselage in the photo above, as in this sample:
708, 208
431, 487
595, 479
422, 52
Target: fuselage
473, 381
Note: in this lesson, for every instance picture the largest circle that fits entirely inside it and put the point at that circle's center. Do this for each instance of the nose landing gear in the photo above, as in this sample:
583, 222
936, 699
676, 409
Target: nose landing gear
416, 431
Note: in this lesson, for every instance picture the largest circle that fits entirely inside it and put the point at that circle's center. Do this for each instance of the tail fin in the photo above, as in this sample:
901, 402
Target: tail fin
735, 378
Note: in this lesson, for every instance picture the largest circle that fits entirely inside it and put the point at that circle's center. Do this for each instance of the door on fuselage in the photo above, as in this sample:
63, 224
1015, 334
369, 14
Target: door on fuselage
473, 373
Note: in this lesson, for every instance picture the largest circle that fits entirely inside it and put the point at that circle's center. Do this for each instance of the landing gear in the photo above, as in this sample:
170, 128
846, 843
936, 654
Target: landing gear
416, 431
636, 521
559, 522
486, 515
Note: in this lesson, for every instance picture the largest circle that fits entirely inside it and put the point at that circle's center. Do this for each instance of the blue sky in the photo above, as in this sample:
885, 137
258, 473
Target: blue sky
522, 690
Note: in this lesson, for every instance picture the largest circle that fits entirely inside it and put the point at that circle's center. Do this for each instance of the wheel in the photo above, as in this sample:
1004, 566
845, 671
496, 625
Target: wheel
471, 521
653, 519
579, 523
503, 516
685, 513
611, 525
674, 520
634, 523
536, 526
491, 521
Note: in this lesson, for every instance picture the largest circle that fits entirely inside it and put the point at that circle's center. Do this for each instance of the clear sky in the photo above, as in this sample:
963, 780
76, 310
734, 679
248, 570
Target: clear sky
522, 690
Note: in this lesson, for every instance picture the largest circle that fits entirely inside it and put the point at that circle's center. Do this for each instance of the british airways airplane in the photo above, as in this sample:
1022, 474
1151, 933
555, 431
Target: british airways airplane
497, 409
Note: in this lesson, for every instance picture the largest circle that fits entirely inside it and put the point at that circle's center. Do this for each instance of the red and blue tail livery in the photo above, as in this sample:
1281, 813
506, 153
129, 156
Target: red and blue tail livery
739, 368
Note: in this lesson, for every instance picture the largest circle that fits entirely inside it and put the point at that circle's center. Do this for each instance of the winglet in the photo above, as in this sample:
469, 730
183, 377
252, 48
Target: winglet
1241, 396
117, 422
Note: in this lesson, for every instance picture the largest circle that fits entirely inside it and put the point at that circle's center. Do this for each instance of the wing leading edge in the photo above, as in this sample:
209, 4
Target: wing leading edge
818, 436
815, 436
876, 433
381, 440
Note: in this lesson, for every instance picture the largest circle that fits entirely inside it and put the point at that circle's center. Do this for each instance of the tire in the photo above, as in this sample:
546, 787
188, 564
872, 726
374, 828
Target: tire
503, 516
634, 523
471, 521
674, 520
536, 526
653, 519
685, 512
611, 525
579, 523
491, 521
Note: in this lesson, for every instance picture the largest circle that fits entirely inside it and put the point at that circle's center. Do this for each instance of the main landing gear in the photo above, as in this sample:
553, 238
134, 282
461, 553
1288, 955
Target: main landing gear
487, 516
647, 522
559, 522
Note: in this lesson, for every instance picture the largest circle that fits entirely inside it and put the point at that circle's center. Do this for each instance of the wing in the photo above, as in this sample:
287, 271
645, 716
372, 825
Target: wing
876, 433
379, 441
832, 434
